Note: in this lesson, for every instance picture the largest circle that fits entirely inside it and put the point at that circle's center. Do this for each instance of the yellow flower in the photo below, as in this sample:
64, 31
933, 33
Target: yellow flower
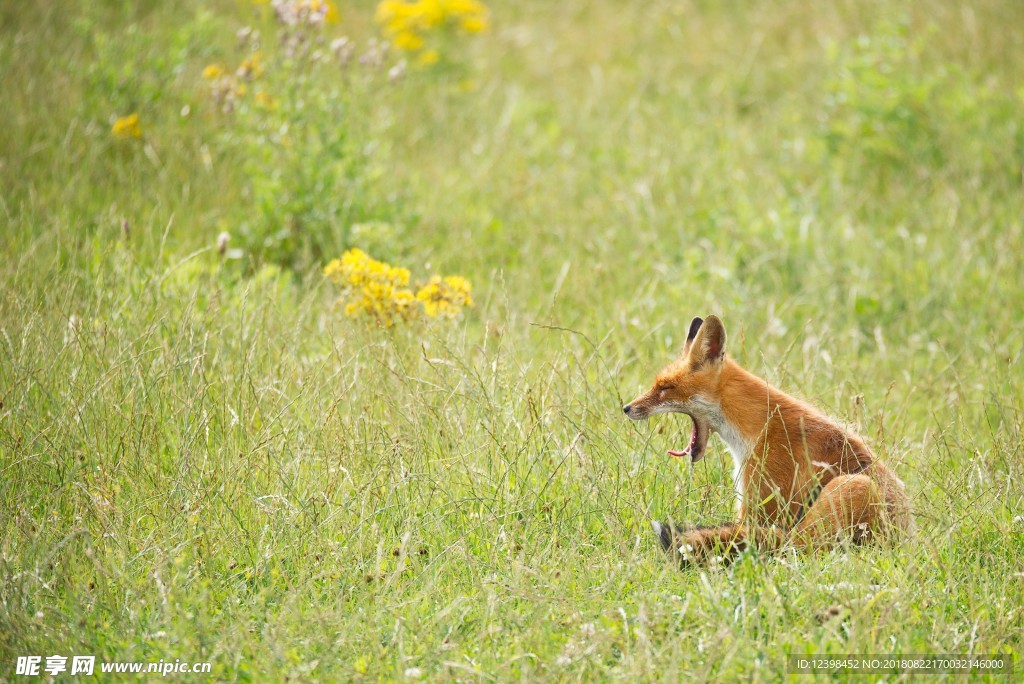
127, 127
428, 57
251, 67
431, 12
397, 15
213, 71
471, 14
461, 287
264, 100
464, 7
409, 22
331, 14
332, 268
408, 41
445, 296
474, 24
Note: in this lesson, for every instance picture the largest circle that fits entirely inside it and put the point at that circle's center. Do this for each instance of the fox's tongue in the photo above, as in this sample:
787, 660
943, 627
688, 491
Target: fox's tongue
686, 451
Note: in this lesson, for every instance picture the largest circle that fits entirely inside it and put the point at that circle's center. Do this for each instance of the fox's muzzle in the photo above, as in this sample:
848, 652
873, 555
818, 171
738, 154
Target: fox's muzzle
635, 412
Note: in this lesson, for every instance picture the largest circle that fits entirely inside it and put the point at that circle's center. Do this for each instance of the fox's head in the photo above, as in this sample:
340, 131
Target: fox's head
689, 385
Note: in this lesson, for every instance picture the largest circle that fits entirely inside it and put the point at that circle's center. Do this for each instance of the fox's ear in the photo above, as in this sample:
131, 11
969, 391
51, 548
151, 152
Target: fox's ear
709, 344
694, 327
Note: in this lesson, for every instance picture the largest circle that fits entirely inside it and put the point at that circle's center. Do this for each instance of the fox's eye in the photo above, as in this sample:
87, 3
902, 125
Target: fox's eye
664, 388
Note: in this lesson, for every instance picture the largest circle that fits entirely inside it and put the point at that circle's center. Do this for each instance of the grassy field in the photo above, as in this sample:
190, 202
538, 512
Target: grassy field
203, 458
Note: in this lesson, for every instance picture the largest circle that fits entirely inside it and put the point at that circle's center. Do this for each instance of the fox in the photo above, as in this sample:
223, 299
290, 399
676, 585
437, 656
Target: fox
801, 479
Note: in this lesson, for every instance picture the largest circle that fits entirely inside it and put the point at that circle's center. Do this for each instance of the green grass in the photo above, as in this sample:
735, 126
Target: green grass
201, 458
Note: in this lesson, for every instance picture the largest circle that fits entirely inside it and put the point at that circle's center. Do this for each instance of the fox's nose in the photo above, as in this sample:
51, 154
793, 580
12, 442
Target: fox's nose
627, 408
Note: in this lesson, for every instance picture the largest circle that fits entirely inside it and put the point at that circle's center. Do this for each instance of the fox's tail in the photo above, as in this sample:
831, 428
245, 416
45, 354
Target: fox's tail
720, 543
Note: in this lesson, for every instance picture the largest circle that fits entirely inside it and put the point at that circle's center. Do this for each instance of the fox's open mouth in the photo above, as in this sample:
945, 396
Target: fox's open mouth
698, 442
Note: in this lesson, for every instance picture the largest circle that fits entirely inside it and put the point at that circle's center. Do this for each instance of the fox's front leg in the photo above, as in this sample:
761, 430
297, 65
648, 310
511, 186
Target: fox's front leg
714, 545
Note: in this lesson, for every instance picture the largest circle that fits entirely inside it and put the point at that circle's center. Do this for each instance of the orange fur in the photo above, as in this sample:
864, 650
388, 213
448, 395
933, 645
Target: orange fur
804, 479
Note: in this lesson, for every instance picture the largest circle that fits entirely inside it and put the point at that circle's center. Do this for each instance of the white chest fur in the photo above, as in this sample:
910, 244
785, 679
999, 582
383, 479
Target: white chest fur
739, 447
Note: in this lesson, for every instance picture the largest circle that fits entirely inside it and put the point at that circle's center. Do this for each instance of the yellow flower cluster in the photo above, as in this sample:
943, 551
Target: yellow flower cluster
375, 288
409, 22
445, 296
381, 291
127, 127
